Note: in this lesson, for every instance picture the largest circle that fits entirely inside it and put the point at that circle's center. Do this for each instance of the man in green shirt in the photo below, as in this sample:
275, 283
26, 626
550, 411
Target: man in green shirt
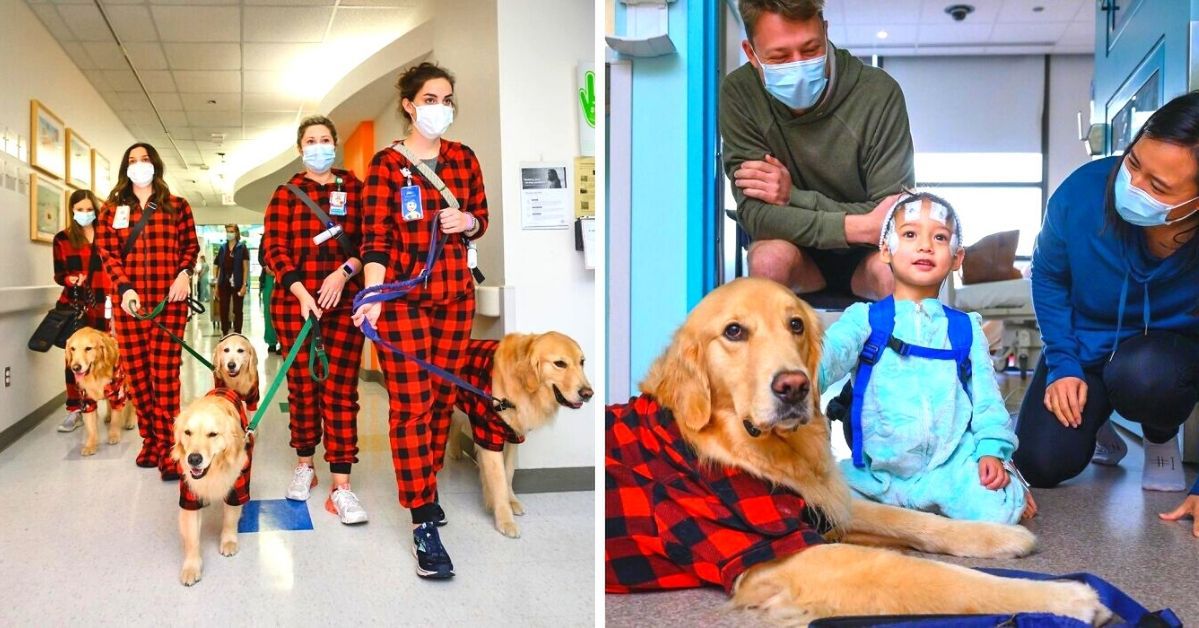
818, 147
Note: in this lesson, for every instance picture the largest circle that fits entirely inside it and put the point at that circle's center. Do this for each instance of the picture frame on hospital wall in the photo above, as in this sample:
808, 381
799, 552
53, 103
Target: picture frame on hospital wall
101, 174
47, 141
47, 207
79, 161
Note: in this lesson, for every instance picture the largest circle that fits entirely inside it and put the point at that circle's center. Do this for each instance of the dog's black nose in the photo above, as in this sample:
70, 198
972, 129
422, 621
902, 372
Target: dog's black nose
791, 386
586, 393
231, 366
194, 459
77, 368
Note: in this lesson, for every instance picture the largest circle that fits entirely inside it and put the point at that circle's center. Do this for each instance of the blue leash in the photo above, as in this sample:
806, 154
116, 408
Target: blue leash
391, 291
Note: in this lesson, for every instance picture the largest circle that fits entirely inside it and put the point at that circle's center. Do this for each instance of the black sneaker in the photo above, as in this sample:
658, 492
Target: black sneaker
432, 561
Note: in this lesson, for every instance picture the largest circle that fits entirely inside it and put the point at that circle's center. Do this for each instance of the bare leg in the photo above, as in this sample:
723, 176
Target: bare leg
872, 279
785, 263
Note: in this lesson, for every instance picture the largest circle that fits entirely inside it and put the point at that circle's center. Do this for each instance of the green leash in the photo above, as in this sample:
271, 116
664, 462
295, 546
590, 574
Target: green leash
316, 352
196, 307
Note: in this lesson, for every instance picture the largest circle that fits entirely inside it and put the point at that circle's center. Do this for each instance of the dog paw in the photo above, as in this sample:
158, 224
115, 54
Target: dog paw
976, 539
189, 575
508, 529
87, 450
228, 548
131, 423
1077, 600
518, 508
114, 439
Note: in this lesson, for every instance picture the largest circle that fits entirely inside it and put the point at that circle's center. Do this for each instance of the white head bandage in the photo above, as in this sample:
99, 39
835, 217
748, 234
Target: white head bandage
938, 210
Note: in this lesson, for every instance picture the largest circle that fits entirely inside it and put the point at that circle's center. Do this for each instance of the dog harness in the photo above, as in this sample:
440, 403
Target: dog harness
239, 494
672, 522
882, 323
489, 430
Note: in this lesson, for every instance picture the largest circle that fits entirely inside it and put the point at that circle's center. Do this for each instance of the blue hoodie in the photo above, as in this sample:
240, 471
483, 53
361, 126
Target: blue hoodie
1082, 267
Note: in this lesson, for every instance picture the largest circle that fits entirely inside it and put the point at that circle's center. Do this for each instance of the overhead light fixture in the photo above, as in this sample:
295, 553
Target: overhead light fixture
881, 34
1038, 9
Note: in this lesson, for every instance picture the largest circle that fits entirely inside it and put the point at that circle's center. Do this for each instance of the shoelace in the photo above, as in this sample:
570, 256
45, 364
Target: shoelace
299, 475
340, 496
432, 541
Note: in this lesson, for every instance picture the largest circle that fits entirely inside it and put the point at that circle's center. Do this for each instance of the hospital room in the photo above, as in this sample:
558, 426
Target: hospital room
975, 183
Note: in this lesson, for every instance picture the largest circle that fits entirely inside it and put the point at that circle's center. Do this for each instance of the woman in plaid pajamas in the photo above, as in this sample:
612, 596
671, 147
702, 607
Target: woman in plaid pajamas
158, 265
433, 321
319, 280
80, 271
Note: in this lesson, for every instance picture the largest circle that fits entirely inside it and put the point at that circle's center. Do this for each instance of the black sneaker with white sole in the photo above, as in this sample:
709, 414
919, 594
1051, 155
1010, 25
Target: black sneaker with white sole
432, 561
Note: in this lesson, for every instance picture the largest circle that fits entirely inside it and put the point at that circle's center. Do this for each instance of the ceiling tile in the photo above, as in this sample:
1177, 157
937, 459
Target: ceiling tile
984, 11
258, 82
959, 33
173, 119
85, 21
204, 56
121, 80
166, 101
157, 80
78, 54
267, 24
199, 102
211, 121
106, 55
146, 55
196, 2
887, 13
272, 101
316, 3
1078, 34
1051, 10
867, 35
268, 119
132, 23
382, 25
99, 80
201, 24
205, 81
53, 21
275, 56
132, 100
1028, 33
1018, 50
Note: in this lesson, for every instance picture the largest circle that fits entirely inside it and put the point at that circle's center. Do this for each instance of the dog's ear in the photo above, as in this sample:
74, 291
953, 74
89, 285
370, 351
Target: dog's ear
216, 360
107, 355
813, 332
233, 435
177, 451
252, 366
527, 363
679, 381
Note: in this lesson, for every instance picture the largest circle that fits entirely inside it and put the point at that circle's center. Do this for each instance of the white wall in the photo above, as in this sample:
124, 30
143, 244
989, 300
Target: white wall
540, 43
1069, 93
37, 68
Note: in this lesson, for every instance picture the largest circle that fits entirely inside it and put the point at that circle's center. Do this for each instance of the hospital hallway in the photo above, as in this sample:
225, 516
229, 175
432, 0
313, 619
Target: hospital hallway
1100, 522
94, 541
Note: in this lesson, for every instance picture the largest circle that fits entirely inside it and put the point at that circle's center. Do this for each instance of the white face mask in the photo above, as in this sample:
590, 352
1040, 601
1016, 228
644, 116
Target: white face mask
140, 173
433, 120
85, 218
230, 236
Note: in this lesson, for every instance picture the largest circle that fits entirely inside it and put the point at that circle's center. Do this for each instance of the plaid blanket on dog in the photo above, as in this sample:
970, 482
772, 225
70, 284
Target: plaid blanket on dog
240, 493
489, 430
673, 523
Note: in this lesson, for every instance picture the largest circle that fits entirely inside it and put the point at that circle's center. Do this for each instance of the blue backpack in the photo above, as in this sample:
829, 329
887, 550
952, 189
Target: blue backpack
1131, 612
882, 323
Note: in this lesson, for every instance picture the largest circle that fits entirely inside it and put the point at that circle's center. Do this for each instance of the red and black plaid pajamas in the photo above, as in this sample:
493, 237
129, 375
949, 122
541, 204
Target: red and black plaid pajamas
489, 430
71, 261
115, 392
674, 523
331, 407
164, 249
240, 493
433, 321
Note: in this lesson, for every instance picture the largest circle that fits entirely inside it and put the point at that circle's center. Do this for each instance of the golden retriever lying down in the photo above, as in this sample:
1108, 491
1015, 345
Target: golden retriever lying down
722, 474
93, 357
537, 373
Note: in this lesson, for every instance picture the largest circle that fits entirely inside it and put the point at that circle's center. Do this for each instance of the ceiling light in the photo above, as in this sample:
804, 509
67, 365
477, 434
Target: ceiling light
881, 34
1038, 9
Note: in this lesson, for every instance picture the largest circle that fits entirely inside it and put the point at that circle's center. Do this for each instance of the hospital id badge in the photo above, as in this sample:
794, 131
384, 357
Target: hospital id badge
337, 203
410, 203
120, 219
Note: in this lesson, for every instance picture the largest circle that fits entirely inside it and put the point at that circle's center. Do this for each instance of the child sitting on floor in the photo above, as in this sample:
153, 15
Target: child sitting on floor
929, 428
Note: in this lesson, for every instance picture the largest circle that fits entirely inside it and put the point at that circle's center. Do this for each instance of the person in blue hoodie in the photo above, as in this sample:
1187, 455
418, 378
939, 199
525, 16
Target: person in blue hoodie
1115, 286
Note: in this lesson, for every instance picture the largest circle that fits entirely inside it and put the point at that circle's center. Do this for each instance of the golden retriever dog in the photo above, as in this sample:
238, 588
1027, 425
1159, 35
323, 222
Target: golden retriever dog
214, 455
536, 374
235, 365
93, 357
722, 474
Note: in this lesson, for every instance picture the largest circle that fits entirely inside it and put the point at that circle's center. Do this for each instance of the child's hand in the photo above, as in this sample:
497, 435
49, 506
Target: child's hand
991, 473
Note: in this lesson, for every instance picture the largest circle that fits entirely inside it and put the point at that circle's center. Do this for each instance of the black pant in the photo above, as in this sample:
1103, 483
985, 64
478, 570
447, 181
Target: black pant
225, 294
1151, 380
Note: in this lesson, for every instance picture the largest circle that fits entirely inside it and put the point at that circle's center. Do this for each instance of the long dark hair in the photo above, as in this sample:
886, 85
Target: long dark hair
1177, 123
122, 192
75, 233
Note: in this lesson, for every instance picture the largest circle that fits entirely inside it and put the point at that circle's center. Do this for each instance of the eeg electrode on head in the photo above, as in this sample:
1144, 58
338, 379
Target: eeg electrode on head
939, 210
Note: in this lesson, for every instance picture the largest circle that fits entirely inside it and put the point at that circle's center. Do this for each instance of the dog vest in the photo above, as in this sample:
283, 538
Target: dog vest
674, 523
488, 429
882, 323
114, 391
239, 494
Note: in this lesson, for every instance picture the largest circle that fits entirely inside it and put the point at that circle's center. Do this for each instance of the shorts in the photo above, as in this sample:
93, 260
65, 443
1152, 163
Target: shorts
838, 266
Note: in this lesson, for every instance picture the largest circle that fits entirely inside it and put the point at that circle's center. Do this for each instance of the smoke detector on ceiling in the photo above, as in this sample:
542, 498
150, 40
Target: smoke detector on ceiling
959, 11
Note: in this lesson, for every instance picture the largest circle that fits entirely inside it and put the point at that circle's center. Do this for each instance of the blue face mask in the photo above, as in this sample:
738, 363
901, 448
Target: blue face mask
797, 84
1137, 207
319, 157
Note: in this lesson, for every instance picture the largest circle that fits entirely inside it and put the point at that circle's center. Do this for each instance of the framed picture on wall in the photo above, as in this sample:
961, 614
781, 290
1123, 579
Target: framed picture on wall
101, 175
47, 141
79, 161
47, 207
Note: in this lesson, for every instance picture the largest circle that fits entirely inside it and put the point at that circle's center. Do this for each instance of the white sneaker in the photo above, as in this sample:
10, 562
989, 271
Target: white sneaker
344, 503
302, 481
1110, 448
72, 422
